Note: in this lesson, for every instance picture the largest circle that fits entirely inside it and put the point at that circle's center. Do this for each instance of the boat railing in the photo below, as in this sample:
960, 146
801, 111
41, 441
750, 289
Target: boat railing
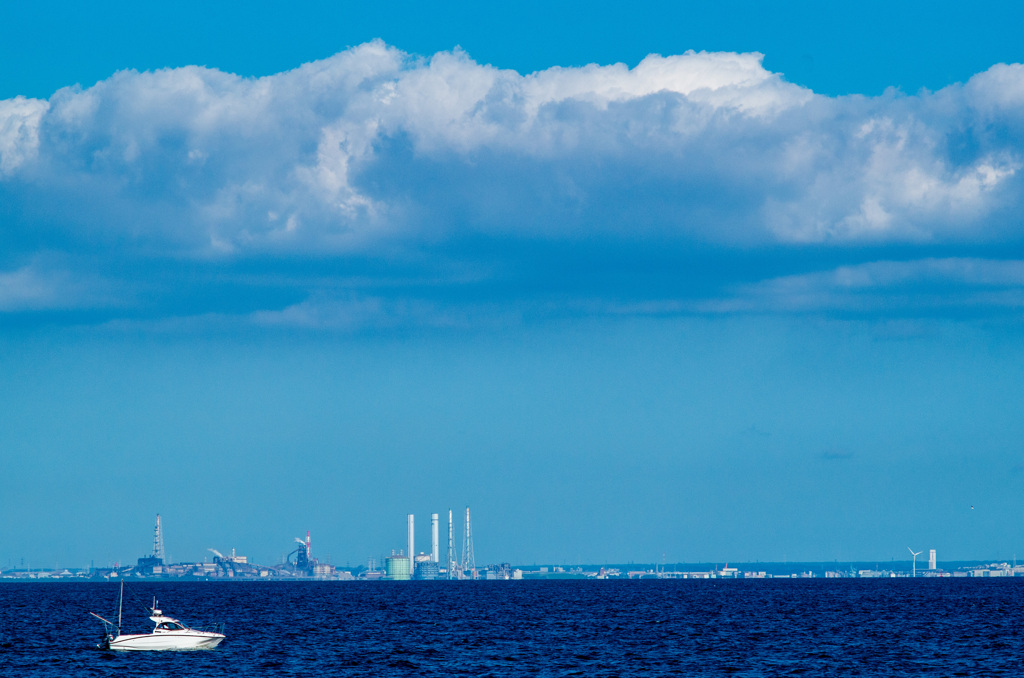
210, 628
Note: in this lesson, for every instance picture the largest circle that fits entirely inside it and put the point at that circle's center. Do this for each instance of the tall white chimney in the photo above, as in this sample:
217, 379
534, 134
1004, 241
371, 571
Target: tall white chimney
412, 554
434, 546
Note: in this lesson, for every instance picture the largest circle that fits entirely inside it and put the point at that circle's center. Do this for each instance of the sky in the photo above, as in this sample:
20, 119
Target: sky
680, 281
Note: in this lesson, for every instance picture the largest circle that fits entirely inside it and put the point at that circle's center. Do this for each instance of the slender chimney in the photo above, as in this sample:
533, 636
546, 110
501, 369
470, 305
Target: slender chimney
434, 556
412, 553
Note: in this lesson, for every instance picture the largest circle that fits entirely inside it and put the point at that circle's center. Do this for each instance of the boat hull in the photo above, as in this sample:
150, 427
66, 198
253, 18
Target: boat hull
185, 640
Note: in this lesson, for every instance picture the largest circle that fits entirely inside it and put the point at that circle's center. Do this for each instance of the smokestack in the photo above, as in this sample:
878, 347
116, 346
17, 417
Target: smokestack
412, 554
433, 536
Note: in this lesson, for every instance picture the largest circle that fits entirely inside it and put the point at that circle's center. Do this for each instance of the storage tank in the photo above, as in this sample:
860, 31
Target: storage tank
397, 568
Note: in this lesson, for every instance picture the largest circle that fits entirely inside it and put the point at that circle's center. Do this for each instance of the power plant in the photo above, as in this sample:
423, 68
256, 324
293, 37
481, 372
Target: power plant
408, 564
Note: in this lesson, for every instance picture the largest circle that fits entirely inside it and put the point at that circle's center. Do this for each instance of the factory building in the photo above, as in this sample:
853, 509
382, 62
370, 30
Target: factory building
426, 568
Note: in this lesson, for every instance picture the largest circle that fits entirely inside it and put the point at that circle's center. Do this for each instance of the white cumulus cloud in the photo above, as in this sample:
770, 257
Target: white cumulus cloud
19, 132
374, 155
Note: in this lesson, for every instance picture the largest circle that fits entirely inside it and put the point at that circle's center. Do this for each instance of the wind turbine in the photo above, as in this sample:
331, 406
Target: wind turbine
915, 560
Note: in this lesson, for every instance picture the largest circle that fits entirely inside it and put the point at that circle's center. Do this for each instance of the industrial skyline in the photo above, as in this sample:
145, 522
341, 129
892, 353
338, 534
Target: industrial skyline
410, 564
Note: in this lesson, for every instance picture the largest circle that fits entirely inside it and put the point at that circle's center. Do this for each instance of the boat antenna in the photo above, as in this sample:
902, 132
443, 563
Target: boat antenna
120, 602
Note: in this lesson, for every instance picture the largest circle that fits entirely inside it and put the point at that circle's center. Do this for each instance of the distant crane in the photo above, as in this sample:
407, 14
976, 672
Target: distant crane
914, 570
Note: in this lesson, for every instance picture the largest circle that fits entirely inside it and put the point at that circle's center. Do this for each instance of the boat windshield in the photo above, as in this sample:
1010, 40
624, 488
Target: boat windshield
170, 626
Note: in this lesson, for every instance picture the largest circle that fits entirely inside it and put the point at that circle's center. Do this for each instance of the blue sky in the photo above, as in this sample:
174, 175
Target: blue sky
835, 48
726, 282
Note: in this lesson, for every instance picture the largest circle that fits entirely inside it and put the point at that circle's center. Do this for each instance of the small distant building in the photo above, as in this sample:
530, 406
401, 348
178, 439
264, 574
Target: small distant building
237, 560
502, 571
426, 569
149, 564
931, 559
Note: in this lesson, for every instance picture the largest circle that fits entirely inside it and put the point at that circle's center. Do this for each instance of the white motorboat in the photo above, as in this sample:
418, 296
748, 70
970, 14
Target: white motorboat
169, 633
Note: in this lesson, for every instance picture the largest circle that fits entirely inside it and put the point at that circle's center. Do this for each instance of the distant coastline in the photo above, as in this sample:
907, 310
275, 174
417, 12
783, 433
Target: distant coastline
968, 569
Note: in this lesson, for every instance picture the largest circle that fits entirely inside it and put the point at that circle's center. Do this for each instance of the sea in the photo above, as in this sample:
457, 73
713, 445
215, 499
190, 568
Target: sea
798, 627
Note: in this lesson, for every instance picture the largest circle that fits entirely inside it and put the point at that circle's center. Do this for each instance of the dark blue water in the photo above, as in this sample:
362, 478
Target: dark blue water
556, 628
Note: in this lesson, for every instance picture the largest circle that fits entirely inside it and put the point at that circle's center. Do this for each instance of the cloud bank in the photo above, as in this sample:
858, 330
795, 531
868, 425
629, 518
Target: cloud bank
385, 185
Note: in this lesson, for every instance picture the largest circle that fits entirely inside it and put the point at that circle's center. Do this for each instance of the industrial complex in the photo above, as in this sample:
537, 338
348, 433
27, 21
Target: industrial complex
299, 563
410, 565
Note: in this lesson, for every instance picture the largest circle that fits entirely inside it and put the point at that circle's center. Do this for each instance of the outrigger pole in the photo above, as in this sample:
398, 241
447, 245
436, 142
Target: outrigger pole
107, 621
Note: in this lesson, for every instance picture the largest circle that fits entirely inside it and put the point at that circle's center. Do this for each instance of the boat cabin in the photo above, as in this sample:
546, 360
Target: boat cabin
170, 626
